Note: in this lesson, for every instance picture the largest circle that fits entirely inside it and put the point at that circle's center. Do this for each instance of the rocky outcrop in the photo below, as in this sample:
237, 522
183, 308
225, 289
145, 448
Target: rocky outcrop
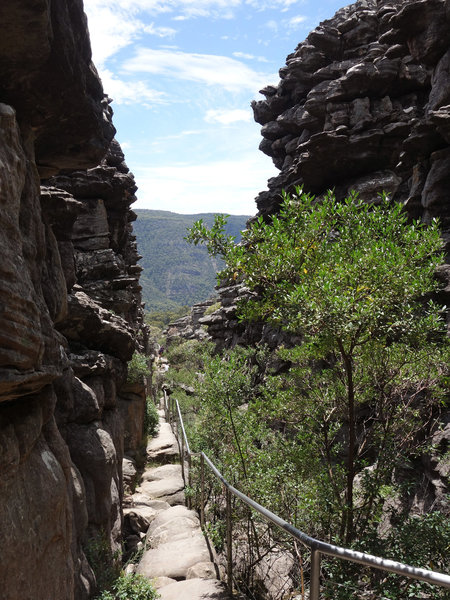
44, 49
364, 104
70, 308
190, 327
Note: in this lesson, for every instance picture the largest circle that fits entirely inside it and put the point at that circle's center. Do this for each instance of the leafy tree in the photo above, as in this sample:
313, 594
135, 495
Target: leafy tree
352, 279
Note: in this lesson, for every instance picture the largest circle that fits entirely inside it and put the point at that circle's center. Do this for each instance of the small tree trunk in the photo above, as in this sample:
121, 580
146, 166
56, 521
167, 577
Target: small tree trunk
349, 509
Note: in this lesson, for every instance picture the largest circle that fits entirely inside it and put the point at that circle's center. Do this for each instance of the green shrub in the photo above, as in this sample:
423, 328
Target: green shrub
420, 540
212, 308
350, 279
151, 418
137, 368
162, 318
130, 587
187, 358
102, 560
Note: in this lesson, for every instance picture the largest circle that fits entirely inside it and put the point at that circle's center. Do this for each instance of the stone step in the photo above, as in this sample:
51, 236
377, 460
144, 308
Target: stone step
170, 490
164, 447
174, 558
177, 557
194, 589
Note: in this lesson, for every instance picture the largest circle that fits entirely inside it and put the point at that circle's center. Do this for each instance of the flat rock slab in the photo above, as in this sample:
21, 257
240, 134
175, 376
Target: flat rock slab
195, 589
164, 446
139, 516
138, 500
162, 472
178, 529
205, 570
176, 523
174, 512
173, 559
159, 582
170, 490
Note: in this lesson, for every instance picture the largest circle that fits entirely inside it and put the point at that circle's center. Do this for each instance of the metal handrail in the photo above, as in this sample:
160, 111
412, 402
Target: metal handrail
317, 547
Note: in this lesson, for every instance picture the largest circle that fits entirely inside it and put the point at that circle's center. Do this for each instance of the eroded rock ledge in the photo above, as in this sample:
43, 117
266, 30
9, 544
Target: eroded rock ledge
364, 103
70, 306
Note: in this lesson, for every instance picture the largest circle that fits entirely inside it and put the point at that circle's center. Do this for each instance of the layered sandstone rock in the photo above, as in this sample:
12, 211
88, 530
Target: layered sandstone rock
189, 327
70, 307
364, 104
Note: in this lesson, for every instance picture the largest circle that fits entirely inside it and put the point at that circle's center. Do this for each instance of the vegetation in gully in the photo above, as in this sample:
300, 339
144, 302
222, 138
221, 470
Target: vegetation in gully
328, 433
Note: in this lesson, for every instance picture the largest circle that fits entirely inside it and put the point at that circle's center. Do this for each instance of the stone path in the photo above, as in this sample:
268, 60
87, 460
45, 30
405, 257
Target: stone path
176, 555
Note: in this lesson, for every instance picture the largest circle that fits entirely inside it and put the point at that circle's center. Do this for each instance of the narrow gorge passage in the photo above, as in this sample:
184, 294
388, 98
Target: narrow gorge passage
176, 555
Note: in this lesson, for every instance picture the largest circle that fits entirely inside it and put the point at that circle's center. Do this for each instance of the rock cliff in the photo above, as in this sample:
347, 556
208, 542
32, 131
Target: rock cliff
70, 308
362, 104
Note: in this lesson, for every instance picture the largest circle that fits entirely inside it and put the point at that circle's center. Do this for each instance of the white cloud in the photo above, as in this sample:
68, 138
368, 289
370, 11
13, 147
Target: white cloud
113, 27
227, 117
243, 55
227, 186
111, 30
207, 69
272, 25
282, 5
294, 22
159, 31
247, 56
130, 92
185, 8
176, 136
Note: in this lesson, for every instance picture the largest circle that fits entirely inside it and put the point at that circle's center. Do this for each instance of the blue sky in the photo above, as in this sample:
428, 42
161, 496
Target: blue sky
182, 74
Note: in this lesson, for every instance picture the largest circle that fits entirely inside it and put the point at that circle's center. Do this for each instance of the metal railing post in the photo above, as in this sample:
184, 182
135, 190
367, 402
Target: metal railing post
169, 414
181, 446
189, 462
229, 542
202, 490
166, 412
314, 590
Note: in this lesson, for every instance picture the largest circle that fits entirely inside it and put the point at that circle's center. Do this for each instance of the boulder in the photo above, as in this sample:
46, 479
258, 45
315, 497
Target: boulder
129, 472
194, 589
173, 559
206, 570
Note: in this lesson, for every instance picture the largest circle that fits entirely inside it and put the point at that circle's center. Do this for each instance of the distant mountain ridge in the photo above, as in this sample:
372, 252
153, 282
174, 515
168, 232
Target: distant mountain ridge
176, 273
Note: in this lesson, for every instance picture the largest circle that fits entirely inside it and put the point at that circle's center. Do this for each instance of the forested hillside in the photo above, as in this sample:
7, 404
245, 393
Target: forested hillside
175, 272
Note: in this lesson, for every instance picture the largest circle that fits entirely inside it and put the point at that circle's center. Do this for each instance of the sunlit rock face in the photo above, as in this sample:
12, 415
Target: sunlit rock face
364, 104
70, 306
